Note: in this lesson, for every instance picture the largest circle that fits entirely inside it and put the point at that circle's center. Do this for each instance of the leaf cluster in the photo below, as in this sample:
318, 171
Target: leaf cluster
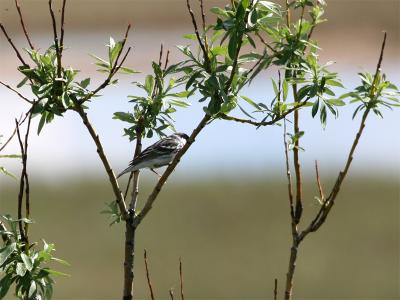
25, 266
152, 112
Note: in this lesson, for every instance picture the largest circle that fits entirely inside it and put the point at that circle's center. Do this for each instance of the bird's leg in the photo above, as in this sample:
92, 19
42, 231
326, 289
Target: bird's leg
154, 171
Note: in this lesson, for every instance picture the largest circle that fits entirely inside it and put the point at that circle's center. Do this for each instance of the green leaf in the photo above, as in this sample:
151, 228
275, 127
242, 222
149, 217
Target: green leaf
5, 284
10, 156
27, 261
6, 252
285, 89
332, 82
251, 102
149, 84
32, 289
315, 108
336, 102
190, 36
84, 83
20, 269
123, 116
42, 122
232, 45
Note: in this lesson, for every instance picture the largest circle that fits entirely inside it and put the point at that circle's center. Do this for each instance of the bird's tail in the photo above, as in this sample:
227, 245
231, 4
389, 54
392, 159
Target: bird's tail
127, 170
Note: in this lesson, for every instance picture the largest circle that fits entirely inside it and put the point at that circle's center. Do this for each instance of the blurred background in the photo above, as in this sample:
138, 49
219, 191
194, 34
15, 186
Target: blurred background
225, 210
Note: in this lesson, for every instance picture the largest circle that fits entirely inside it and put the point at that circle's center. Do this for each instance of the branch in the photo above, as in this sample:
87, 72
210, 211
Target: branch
275, 289
62, 27
288, 174
171, 293
23, 24
148, 275
58, 52
196, 30
20, 121
323, 213
320, 189
153, 196
12, 45
111, 176
21, 186
264, 123
181, 279
15, 91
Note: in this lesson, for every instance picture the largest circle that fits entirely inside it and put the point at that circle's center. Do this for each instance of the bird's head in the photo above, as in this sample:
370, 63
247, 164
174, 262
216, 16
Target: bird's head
182, 135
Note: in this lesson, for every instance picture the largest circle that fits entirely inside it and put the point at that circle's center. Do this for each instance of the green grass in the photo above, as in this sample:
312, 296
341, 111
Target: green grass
233, 238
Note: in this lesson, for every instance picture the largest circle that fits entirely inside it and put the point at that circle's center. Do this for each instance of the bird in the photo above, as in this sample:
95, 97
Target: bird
158, 155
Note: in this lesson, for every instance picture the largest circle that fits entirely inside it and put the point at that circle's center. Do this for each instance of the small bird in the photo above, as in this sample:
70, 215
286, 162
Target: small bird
159, 154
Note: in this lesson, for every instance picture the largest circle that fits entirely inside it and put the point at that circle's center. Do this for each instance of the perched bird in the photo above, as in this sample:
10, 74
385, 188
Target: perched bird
159, 154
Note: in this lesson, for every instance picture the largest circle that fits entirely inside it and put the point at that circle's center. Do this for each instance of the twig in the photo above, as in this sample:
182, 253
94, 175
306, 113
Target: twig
203, 15
23, 25
21, 186
161, 55
171, 293
62, 27
20, 121
55, 36
275, 289
26, 177
320, 189
15, 91
196, 30
181, 279
264, 123
153, 196
288, 173
12, 45
111, 176
148, 275
166, 60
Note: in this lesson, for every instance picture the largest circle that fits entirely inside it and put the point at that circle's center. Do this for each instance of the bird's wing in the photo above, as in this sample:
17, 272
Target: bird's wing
165, 146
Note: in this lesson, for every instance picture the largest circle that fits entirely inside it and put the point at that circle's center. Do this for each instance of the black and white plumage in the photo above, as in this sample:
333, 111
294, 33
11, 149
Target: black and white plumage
159, 154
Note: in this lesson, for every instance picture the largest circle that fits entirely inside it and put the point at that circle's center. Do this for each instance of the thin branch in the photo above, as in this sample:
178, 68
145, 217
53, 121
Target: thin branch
111, 176
196, 30
148, 275
20, 121
161, 55
12, 45
153, 196
288, 174
320, 189
166, 60
171, 293
135, 190
203, 15
21, 186
15, 91
26, 177
181, 279
275, 289
55, 36
23, 25
323, 212
265, 43
62, 26
264, 123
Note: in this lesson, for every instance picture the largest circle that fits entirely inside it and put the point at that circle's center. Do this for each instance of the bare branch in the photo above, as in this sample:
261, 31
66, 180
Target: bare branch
288, 174
62, 26
181, 279
15, 91
23, 24
275, 289
148, 275
20, 121
12, 45
171, 293
196, 30
55, 36
320, 189
265, 123
111, 176
21, 185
